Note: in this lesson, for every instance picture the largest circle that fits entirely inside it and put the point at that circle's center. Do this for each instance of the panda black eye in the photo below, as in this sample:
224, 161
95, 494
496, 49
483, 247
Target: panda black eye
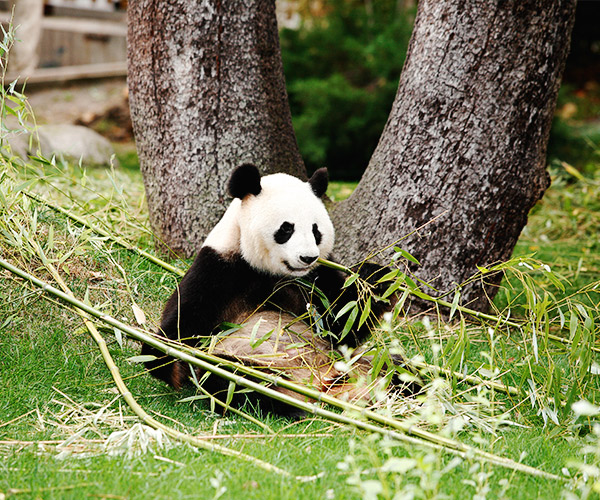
284, 233
317, 234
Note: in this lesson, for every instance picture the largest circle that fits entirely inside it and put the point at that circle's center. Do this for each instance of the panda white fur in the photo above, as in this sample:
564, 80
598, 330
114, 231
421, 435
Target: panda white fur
274, 231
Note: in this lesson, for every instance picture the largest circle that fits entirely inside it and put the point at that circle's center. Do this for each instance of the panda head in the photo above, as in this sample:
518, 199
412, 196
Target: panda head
283, 225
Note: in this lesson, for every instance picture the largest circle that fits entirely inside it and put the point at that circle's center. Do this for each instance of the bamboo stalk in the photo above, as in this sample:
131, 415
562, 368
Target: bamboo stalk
408, 432
208, 437
471, 312
471, 379
134, 405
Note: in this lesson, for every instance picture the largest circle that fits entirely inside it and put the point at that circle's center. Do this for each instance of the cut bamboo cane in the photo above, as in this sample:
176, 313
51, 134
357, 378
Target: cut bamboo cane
408, 433
134, 405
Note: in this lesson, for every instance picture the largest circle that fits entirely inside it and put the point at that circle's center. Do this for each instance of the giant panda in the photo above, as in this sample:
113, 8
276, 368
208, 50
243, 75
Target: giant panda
258, 268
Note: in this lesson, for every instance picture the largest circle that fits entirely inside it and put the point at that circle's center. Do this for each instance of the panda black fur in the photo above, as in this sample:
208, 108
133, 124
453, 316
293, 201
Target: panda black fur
274, 230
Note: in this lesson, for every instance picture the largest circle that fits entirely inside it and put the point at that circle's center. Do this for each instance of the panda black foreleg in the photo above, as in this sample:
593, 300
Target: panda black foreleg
192, 310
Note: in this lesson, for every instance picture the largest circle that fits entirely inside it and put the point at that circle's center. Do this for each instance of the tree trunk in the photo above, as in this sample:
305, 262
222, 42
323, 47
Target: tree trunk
465, 141
207, 93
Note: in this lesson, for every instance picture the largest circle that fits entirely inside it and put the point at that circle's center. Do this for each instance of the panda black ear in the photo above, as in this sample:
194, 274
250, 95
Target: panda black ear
319, 181
244, 180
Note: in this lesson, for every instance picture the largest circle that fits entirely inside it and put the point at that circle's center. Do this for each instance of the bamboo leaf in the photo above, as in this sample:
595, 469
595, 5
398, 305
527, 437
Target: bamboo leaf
391, 289
142, 358
365, 313
562, 318
349, 322
24, 185
140, 316
350, 305
454, 303
254, 333
535, 344
389, 276
573, 323
409, 281
406, 255
262, 339
230, 393
572, 170
50, 238
118, 336
350, 279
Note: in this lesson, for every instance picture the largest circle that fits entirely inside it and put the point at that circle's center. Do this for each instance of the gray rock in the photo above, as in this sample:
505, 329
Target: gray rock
68, 142
74, 142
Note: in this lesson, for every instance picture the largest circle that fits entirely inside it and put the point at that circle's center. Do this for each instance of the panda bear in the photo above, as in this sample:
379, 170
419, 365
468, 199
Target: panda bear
258, 269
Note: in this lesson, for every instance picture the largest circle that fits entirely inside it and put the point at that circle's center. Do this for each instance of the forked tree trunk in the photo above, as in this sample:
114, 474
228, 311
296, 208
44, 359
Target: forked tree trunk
207, 93
466, 139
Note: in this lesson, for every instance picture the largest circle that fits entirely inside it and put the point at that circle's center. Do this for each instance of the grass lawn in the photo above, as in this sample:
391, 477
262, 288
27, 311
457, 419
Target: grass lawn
520, 385
66, 433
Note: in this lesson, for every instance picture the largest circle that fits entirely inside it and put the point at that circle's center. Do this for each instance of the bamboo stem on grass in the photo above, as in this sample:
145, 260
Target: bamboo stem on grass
134, 405
408, 433
165, 265
471, 379
117, 239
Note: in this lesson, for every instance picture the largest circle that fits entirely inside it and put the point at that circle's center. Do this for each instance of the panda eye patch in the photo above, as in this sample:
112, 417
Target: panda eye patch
284, 233
317, 234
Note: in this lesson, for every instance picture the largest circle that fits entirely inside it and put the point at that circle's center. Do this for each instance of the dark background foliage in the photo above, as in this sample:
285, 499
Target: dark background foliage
342, 69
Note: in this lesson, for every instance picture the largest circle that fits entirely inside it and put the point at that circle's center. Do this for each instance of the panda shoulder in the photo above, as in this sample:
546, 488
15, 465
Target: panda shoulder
209, 265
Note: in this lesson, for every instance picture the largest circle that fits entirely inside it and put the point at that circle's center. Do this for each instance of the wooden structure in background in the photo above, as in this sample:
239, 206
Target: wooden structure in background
80, 39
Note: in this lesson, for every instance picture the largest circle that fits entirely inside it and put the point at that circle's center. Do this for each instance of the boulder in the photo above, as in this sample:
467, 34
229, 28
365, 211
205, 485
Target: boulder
67, 142
74, 142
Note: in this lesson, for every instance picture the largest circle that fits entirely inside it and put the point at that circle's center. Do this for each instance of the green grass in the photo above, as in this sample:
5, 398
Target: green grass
60, 413
53, 379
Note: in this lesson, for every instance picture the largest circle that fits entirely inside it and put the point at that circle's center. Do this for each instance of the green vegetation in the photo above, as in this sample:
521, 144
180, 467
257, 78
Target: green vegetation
65, 432
341, 73
576, 130
519, 384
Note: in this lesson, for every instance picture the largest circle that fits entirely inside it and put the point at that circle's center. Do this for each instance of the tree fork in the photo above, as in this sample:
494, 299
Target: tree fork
467, 134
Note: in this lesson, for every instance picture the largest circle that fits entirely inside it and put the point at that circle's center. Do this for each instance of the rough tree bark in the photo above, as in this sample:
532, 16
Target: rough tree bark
466, 138
207, 93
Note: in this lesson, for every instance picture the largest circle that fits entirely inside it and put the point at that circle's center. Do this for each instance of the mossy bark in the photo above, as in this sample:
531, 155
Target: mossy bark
207, 93
465, 141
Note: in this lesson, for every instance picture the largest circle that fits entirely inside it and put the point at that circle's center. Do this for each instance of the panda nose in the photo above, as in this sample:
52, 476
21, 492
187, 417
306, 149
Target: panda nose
308, 259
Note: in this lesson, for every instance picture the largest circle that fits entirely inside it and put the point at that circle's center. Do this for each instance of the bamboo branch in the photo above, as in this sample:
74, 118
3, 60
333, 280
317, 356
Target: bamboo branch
471, 379
440, 302
408, 433
117, 239
130, 400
